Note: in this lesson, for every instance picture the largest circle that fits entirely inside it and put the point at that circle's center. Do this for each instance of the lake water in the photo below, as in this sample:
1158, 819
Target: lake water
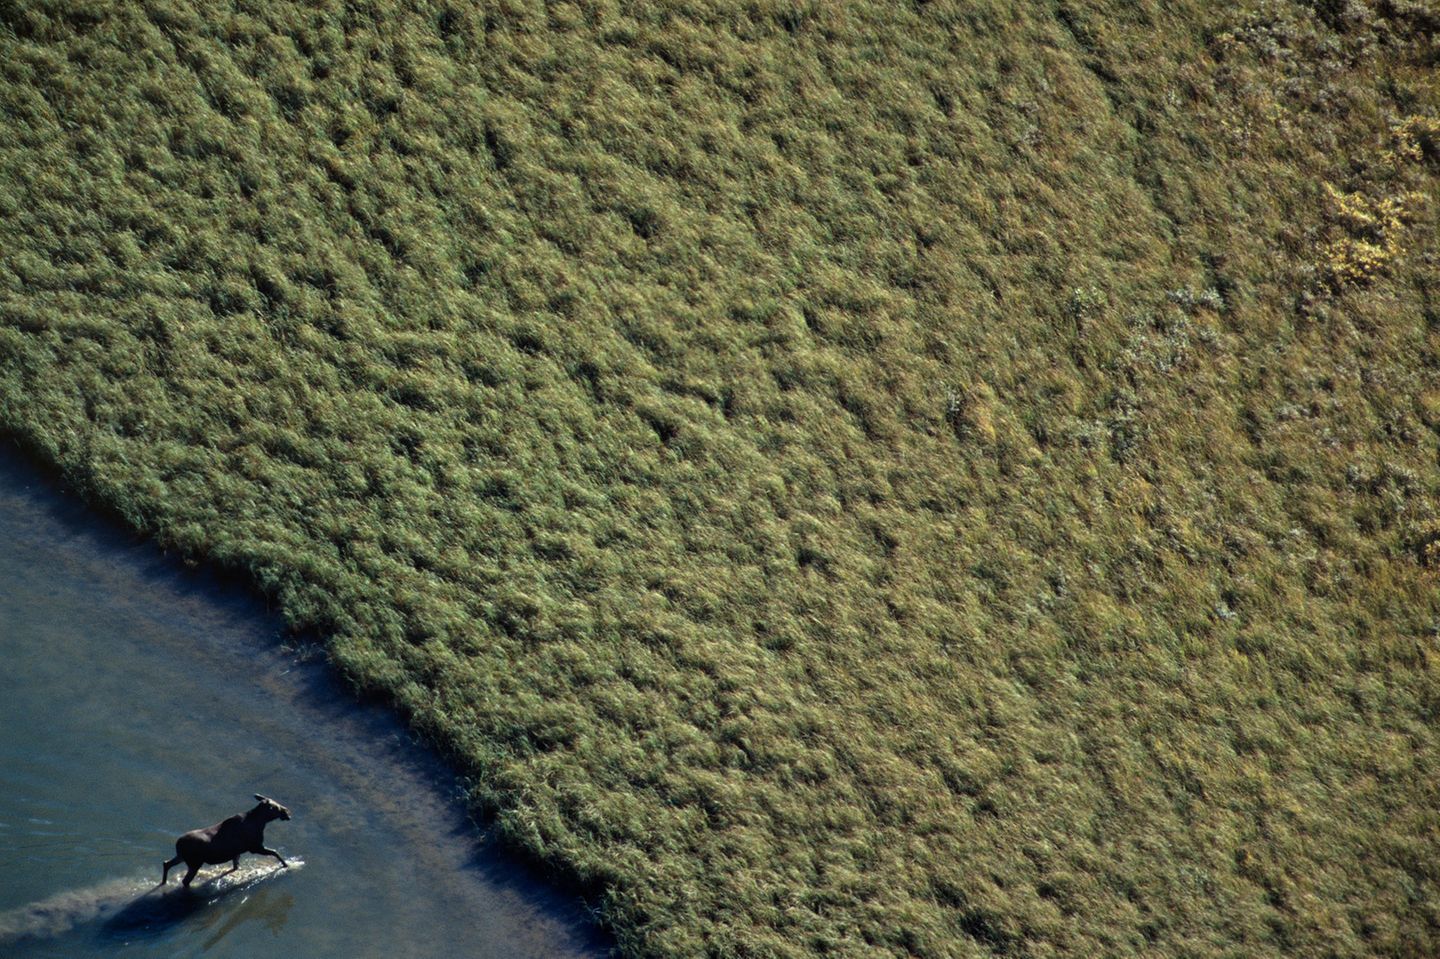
139, 700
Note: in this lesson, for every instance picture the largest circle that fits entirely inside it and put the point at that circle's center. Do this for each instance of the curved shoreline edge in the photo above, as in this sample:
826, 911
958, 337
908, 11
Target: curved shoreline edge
404, 778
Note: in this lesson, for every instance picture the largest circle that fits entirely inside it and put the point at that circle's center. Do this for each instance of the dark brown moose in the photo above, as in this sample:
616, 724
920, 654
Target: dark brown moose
227, 840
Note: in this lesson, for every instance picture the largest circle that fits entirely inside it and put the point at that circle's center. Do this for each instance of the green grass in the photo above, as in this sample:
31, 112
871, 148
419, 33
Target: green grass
862, 479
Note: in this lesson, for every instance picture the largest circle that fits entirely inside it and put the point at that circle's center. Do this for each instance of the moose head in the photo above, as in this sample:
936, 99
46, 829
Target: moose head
270, 809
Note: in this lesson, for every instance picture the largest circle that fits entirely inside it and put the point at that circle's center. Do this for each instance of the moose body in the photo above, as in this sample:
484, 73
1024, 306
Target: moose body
226, 841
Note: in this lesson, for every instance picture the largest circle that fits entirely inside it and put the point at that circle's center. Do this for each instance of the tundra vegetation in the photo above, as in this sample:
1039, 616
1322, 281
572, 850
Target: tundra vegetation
915, 479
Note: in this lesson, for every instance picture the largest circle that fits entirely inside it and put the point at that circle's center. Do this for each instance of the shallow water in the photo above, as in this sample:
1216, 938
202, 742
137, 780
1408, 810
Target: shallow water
139, 699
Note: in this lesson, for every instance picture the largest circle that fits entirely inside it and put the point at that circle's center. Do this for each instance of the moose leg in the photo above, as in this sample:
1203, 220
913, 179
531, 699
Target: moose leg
190, 874
165, 873
270, 852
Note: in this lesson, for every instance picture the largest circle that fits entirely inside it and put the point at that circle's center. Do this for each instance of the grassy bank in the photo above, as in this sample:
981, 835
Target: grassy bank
936, 479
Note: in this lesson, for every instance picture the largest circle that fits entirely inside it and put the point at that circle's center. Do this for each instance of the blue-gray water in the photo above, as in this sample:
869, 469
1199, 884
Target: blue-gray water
139, 699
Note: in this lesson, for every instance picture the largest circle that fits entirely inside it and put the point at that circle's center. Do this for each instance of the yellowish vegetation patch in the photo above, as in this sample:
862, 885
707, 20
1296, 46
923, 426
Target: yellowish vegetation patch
1370, 233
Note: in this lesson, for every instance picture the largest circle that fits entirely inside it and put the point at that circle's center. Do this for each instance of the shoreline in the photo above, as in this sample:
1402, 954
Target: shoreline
382, 759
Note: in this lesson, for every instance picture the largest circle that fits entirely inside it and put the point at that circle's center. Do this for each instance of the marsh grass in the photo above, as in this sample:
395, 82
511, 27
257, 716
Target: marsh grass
863, 479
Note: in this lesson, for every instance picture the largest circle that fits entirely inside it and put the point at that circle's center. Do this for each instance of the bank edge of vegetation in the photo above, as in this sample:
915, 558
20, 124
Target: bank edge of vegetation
857, 479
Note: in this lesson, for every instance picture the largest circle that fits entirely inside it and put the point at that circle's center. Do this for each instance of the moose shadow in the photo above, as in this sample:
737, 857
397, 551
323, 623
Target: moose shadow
214, 901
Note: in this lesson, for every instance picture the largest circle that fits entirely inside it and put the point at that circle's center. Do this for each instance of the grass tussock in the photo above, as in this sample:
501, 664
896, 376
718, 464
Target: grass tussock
934, 479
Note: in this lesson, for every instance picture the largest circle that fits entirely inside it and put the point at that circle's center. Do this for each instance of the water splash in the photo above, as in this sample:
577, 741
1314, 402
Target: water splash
127, 906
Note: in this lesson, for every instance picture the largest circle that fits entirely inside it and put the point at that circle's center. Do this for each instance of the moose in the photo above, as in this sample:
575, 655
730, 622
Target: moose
227, 840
